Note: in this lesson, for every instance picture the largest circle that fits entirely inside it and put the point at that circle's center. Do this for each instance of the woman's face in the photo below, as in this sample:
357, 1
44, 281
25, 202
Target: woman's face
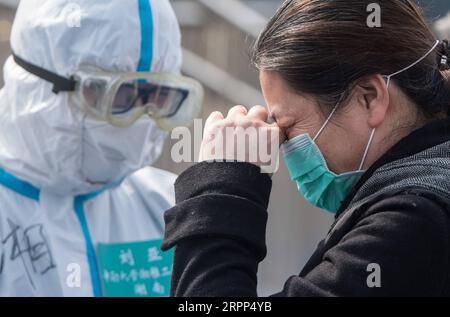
345, 137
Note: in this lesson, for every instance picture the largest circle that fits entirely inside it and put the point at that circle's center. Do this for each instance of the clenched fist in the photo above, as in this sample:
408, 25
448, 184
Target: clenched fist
244, 136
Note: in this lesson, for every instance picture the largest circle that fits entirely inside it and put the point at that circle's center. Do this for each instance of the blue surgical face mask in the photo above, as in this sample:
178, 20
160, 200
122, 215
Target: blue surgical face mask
315, 181
307, 166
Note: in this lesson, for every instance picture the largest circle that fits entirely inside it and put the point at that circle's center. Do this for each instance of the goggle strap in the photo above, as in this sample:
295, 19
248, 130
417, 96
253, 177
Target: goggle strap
60, 83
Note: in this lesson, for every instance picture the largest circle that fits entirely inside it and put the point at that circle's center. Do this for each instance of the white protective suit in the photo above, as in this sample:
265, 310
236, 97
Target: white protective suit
68, 182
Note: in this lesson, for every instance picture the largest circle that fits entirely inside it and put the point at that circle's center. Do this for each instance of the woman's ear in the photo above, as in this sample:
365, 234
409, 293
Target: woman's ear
373, 95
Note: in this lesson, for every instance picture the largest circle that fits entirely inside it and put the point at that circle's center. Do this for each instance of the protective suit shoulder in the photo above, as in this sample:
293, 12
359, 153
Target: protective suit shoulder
154, 184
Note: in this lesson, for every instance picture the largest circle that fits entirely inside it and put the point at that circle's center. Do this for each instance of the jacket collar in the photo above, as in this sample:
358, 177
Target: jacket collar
432, 134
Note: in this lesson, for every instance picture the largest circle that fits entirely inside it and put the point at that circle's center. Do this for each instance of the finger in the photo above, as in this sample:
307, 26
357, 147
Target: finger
259, 113
213, 117
236, 112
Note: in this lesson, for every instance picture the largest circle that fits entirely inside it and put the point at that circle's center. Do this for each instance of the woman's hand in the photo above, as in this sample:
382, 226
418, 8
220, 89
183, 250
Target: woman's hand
243, 136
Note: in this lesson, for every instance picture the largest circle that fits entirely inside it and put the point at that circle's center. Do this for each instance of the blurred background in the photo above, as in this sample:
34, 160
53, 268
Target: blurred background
217, 36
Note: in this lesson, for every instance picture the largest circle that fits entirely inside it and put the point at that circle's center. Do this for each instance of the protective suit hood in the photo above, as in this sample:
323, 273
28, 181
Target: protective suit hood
42, 139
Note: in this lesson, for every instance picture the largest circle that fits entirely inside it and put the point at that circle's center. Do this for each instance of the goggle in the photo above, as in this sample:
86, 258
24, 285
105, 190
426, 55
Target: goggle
122, 98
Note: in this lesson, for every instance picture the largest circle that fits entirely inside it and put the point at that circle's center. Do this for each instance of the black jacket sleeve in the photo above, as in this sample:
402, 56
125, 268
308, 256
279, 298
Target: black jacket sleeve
218, 231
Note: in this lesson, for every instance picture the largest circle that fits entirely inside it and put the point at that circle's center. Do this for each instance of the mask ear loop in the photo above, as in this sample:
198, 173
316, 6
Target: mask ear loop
387, 83
326, 122
366, 151
329, 118
412, 65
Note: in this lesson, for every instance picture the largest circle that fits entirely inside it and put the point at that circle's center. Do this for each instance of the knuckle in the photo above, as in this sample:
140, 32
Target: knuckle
259, 109
247, 122
215, 114
238, 108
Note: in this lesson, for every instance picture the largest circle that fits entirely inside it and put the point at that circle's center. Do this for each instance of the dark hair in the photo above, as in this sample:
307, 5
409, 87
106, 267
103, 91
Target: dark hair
323, 47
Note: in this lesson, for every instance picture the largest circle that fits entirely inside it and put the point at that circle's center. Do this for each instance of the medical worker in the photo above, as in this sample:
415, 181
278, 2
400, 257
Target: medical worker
91, 89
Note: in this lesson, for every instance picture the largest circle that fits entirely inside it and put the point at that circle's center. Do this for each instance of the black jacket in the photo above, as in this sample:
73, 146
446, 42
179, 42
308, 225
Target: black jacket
397, 220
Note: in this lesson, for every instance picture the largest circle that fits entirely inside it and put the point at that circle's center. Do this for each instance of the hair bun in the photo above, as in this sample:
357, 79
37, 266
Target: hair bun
444, 55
